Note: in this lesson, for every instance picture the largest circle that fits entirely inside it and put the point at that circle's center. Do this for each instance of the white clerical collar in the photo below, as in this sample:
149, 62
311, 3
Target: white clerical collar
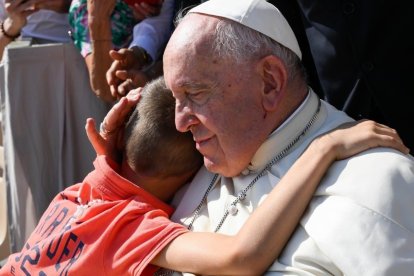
280, 139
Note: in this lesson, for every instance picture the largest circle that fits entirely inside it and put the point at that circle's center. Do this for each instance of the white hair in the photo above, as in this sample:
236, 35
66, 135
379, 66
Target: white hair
243, 45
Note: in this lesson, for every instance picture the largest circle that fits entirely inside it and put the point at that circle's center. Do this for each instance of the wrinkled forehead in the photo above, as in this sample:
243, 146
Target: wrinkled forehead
189, 46
195, 32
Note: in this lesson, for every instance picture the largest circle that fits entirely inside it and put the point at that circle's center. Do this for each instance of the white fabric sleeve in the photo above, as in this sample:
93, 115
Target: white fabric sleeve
153, 33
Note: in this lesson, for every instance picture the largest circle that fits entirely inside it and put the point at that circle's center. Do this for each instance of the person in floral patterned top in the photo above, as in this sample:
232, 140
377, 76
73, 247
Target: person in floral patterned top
100, 26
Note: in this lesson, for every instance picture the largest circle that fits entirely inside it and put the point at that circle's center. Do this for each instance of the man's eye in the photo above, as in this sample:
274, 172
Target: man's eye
196, 95
199, 97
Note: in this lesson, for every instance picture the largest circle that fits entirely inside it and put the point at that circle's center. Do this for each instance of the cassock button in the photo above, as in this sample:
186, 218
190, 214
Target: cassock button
245, 172
233, 210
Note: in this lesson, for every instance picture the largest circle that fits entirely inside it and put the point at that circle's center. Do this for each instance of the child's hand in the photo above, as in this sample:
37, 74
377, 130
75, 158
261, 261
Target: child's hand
105, 142
352, 138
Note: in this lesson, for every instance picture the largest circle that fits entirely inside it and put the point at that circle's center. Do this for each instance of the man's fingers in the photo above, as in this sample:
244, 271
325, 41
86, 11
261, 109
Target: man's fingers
19, 7
116, 55
119, 63
111, 73
125, 87
11, 5
114, 91
30, 12
143, 10
122, 74
151, 9
140, 12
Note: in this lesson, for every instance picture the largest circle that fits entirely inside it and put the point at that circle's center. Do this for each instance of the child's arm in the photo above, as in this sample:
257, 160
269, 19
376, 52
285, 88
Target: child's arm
265, 233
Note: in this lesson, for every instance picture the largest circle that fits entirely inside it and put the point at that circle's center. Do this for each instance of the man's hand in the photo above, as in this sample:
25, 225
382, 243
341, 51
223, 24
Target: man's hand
125, 71
105, 142
18, 11
132, 80
61, 6
144, 10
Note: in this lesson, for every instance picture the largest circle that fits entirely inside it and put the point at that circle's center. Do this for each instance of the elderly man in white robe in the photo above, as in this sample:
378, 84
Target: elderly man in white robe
234, 68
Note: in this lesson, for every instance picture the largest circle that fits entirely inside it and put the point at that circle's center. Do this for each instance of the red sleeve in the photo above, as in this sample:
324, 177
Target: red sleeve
139, 238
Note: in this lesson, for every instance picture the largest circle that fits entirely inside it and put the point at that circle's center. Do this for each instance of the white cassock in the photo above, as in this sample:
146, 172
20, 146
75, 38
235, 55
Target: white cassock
359, 222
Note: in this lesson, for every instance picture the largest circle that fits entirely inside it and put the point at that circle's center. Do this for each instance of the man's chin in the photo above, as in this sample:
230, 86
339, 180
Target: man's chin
212, 166
219, 168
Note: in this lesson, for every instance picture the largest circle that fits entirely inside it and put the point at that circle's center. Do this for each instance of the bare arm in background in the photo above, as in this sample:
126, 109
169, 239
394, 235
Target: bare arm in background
17, 13
98, 61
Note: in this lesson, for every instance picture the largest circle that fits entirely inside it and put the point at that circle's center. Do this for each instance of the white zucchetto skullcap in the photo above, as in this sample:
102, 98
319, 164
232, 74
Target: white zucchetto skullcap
258, 15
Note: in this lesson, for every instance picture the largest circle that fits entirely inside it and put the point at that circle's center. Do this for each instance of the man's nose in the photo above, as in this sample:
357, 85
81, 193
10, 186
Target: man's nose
184, 118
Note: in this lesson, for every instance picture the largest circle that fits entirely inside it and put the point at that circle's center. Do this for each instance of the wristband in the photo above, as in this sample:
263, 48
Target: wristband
3, 31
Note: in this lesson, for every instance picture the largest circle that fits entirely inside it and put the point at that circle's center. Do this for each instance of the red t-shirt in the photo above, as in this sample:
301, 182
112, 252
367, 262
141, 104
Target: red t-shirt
118, 235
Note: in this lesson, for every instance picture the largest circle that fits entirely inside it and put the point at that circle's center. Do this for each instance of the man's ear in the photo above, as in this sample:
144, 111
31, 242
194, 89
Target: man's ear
274, 76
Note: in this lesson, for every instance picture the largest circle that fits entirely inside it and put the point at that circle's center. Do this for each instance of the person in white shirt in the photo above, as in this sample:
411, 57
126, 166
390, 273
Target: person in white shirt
39, 20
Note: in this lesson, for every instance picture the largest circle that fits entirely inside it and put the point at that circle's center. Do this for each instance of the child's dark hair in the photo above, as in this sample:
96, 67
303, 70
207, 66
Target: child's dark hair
152, 143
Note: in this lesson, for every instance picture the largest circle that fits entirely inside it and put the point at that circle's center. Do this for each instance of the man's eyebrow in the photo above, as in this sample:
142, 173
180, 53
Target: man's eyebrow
198, 86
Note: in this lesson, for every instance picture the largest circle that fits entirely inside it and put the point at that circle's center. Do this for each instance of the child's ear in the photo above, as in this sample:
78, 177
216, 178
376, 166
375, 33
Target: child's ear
274, 76
120, 143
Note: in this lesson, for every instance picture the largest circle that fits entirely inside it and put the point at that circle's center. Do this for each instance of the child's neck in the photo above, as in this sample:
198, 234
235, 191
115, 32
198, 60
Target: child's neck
163, 188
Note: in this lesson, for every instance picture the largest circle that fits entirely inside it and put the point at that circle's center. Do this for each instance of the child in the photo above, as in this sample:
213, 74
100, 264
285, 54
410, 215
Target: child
107, 225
